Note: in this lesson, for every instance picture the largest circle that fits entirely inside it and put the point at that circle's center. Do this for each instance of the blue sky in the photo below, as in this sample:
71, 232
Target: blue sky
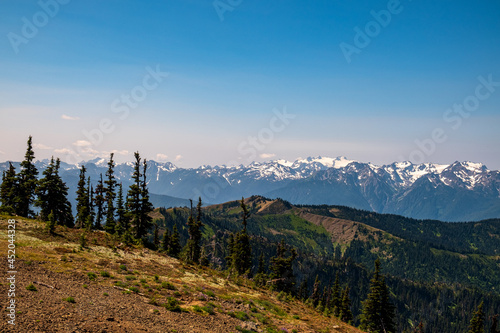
233, 64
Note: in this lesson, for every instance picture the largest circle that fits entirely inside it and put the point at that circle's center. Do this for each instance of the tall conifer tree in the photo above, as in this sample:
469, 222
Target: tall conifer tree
82, 200
477, 321
27, 183
378, 311
52, 195
134, 198
8, 188
110, 196
99, 203
193, 246
281, 267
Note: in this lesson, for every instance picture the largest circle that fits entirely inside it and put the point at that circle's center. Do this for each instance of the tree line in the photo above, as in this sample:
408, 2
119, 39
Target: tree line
101, 208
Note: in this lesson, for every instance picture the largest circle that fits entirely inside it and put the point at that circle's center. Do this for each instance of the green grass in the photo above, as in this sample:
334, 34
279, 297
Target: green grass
209, 308
92, 276
239, 315
69, 299
31, 287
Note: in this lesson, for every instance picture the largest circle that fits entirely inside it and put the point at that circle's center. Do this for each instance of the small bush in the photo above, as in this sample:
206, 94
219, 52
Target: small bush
210, 293
197, 308
85, 286
173, 305
130, 277
105, 294
134, 289
143, 281
105, 274
168, 285
92, 276
69, 299
31, 287
157, 278
123, 267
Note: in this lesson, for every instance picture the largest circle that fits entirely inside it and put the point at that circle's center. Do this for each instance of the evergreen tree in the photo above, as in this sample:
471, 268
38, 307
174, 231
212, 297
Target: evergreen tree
303, 290
174, 248
335, 300
52, 195
146, 206
8, 188
165, 243
230, 247
89, 223
27, 183
316, 294
121, 214
194, 229
82, 200
281, 267
378, 312
345, 313
477, 321
261, 277
138, 202
387, 309
99, 203
262, 268
241, 260
51, 223
110, 196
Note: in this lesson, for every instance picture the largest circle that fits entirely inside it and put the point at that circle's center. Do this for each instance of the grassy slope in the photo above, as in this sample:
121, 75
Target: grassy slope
146, 280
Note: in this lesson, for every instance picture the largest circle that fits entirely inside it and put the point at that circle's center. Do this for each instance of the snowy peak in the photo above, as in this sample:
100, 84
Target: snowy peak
322, 162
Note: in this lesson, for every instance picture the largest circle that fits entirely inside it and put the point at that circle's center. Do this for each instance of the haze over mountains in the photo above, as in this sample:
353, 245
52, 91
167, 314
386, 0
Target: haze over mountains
461, 191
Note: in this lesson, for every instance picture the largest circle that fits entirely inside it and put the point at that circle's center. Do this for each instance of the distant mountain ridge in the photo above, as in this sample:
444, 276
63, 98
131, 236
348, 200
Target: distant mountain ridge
460, 191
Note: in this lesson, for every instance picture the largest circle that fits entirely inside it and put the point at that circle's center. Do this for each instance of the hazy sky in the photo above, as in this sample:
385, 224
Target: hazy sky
376, 81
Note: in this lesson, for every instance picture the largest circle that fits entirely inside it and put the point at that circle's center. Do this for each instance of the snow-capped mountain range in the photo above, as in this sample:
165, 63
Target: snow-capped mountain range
456, 192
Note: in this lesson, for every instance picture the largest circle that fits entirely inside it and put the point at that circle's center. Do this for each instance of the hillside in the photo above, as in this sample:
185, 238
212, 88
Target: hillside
134, 289
438, 272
